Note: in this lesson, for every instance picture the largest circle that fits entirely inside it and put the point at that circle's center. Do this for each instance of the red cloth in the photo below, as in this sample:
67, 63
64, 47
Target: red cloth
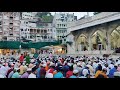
21, 58
42, 73
51, 70
69, 73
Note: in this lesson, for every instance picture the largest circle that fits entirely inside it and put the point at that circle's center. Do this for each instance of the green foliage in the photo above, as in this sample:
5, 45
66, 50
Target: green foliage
40, 14
45, 16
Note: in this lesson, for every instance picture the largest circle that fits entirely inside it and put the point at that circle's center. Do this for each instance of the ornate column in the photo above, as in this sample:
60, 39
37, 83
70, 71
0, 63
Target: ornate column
80, 47
90, 42
108, 42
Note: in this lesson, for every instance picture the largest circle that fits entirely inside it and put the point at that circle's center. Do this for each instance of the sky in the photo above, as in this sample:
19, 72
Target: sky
78, 14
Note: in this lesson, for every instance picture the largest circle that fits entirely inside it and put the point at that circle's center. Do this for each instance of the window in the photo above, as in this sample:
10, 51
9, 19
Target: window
64, 25
28, 29
25, 36
30, 36
21, 29
0, 23
51, 30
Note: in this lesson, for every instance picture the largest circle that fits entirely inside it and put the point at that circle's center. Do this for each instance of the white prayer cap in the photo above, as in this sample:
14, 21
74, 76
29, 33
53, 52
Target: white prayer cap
75, 71
117, 74
49, 75
85, 72
52, 64
29, 69
44, 65
32, 60
78, 64
69, 64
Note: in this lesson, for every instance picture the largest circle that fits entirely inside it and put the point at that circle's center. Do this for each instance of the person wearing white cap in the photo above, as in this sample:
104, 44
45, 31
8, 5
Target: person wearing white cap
43, 71
49, 75
10, 69
21, 69
34, 72
74, 66
16, 73
112, 71
75, 74
16, 65
91, 69
111, 66
116, 74
3, 70
79, 67
85, 72
26, 74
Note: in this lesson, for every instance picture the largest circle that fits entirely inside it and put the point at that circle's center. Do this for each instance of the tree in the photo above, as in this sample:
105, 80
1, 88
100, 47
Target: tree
44, 17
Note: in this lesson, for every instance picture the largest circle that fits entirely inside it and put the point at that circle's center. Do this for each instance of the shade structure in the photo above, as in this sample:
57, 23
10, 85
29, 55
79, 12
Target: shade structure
26, 45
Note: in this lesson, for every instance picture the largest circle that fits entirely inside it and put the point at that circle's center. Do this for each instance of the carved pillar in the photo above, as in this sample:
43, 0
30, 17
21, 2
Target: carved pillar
90, 43
108, 42
80, 47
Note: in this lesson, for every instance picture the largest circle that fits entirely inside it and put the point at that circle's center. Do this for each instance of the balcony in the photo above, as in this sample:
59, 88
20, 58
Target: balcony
11, 21
11, 17
11, 28
11, 34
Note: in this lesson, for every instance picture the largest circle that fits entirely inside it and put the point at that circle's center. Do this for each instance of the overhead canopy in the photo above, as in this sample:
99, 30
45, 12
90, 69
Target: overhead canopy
27, 45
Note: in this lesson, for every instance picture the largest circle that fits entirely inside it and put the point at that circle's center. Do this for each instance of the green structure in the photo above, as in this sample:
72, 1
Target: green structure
9, 44
27, 45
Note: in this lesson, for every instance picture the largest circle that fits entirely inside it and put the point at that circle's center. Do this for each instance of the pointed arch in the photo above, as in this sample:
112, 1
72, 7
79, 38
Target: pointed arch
115, 38
102, 38
82, 43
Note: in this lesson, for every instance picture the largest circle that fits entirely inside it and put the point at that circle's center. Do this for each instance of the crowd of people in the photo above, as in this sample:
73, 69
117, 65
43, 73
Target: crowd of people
59, 67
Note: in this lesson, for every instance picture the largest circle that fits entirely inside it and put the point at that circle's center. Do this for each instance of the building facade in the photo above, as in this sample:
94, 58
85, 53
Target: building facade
43, 33
60, 24
10, 24
98, 34
28, 21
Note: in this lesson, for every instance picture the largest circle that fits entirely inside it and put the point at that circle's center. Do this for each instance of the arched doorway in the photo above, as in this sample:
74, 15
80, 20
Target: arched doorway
115, 38
98, 40
82, 43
